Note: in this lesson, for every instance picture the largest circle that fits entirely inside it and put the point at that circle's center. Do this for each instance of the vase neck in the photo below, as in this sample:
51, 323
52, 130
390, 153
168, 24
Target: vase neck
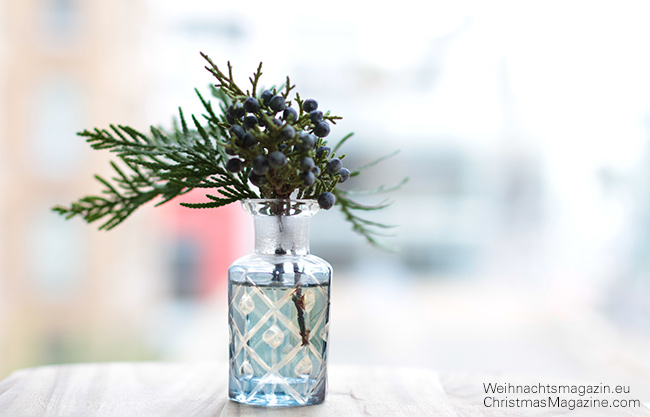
281, 226
281, 235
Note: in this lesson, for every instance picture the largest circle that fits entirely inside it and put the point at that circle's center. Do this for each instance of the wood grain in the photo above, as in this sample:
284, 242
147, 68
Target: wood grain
148, 389
199, 390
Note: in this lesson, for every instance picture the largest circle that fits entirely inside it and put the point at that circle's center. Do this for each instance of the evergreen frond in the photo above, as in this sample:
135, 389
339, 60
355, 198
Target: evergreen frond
379, 190
364, 227
159, 165
373, 163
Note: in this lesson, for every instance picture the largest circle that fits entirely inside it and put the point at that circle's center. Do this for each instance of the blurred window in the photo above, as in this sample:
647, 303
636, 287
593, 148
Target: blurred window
61, 21
55, 256
185, 267
56, 115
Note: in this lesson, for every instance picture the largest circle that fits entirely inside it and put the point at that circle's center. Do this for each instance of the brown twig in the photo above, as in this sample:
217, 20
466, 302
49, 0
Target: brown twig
299, 300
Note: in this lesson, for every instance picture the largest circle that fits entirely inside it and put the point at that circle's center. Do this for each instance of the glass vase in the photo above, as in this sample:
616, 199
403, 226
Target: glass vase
279, 298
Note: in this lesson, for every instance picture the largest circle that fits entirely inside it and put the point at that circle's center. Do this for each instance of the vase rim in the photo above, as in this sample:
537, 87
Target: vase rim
293, 200
289, 206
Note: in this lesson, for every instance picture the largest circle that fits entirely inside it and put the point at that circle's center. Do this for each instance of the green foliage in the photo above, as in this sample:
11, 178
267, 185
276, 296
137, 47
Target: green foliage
163, 165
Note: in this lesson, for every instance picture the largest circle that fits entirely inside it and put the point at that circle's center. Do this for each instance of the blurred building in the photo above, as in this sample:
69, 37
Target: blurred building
70, 292
65, 69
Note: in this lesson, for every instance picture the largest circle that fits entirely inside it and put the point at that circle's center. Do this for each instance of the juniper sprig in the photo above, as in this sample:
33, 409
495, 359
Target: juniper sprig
253, 145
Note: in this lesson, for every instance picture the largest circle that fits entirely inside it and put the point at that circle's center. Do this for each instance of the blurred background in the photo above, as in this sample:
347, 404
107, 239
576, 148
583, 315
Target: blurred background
524, 231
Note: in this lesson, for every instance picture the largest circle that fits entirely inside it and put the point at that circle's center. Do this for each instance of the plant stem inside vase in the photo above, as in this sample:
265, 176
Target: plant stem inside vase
297, 297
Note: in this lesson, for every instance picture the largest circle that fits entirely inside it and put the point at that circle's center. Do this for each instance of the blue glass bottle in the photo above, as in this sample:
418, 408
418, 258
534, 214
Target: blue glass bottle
279, 299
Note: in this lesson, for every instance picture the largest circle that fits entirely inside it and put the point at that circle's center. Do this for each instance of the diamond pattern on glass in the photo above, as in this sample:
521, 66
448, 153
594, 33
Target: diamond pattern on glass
325, 332
273, 336
266, 340
304, 367
309, 300
246, 370
246, 303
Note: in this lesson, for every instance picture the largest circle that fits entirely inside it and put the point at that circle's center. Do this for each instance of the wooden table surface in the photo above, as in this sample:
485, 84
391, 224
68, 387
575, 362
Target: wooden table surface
200, 390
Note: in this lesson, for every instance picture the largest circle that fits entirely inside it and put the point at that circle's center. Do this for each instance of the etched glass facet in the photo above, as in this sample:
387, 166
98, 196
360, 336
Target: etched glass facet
279, 310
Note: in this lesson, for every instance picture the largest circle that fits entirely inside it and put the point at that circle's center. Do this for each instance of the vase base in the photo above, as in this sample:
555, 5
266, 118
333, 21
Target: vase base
275, 395
273, 401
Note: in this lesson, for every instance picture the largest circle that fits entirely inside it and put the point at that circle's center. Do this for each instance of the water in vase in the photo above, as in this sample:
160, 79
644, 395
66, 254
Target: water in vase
278, 347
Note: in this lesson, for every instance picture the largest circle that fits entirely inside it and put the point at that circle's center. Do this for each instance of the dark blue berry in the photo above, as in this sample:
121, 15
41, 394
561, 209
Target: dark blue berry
322, 151
316, 171
277, 103
273, 120
307, 141
290, 115
307, 164
237, 110
237, 131
250, 121
234, 165
257, 180
326, 200
333, 166
277, 159
230, 119
322, 129
282, 147
266, 97
260, 165
251, 105
316, 116
345, 174
309, 105
229, 149
308, 178
249, 140
287, 132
